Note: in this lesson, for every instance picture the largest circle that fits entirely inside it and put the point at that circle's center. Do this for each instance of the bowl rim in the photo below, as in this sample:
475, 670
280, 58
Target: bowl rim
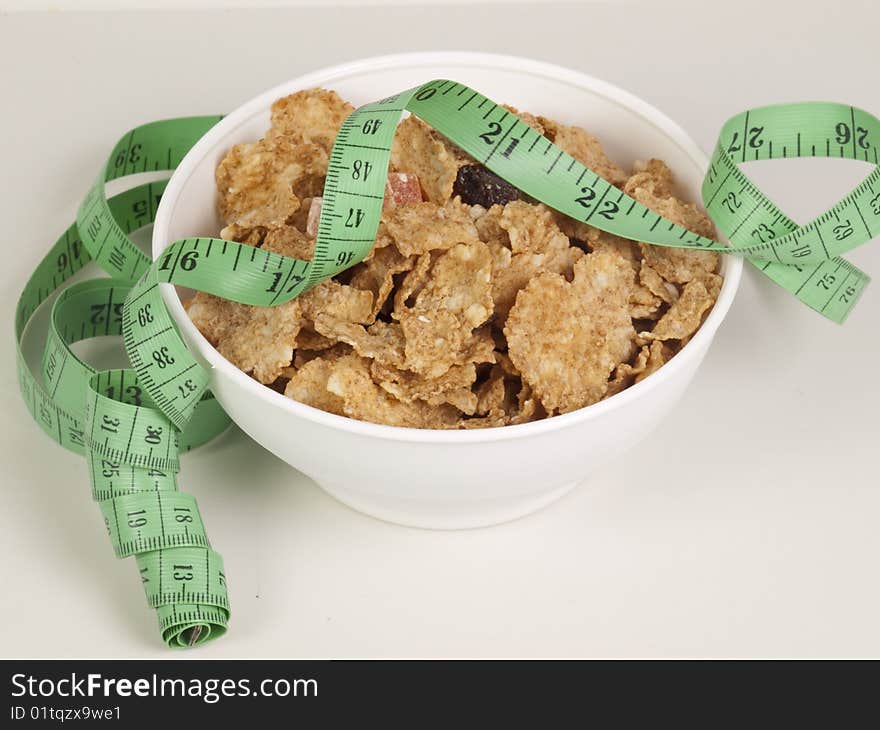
160, 240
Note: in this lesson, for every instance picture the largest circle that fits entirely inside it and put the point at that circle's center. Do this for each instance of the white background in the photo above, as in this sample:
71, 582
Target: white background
748, 526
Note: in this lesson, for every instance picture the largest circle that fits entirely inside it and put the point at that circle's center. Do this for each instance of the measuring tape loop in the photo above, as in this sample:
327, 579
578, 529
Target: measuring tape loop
131, 448
146, 521
125, 433
111, 479
779, 132
184, 625
151, 147
816, 274
87, 309
195, 576
131, 424
172, 377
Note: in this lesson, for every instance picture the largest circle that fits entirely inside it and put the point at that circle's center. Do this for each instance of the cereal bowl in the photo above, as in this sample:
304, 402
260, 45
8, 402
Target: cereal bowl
446, 478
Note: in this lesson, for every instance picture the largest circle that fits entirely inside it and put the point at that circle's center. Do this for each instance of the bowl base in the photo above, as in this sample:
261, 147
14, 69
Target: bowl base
448, 515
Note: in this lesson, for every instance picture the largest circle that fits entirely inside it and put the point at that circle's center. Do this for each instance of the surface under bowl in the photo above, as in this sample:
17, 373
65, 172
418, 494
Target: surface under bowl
447, 479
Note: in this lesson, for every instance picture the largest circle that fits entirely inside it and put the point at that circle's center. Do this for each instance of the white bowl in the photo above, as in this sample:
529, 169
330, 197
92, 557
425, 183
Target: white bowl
447, 479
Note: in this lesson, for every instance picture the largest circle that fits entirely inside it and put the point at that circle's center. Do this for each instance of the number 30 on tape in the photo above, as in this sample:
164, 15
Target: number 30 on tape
131, 424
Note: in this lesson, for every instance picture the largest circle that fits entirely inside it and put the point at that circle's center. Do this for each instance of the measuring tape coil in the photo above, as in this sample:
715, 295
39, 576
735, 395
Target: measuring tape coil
132, 424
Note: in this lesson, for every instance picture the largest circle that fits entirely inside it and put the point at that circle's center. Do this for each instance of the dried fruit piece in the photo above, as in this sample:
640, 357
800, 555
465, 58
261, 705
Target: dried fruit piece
401, 188
314, 217
476, 185
568, 364
453, 269
420, 150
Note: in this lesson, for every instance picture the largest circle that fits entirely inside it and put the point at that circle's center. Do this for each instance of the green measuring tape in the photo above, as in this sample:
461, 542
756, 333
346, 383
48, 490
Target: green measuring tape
130, 446
131, 424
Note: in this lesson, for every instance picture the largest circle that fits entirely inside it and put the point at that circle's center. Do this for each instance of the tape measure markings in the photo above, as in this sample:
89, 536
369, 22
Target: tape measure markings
131, 424
171, 522
194, 576
154, 520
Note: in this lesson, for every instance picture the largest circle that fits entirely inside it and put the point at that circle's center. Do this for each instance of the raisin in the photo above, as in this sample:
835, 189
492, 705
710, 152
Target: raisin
478, 186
